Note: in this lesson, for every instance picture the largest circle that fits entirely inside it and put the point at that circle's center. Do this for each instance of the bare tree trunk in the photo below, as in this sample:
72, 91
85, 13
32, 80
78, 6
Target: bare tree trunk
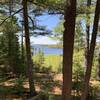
98, 68
91, 52
10, 4
87, 44
68, 45
28, 49
22, 46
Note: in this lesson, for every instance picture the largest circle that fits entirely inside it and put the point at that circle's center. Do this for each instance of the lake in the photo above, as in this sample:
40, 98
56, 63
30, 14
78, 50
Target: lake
47, 50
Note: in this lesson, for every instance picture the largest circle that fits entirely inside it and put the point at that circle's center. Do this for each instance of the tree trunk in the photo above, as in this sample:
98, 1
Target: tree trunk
91, 52
28, 49
87, 45
98, 68
10, 34
22, 46
68, 45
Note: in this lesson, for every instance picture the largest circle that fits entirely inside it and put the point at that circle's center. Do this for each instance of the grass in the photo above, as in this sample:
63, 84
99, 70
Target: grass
52, 61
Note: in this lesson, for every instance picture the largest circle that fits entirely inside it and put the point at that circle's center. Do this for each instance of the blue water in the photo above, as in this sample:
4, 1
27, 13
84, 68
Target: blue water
47, 50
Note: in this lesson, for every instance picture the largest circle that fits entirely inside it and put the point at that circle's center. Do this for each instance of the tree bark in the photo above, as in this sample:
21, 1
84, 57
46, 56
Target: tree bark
98, 68
10, 37
22, 46
28, 49
91, 52
68, 45
87, 44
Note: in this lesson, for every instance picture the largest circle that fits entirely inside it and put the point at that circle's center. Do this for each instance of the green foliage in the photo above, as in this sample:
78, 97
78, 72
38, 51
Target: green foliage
10, 58
19, 84
54, 97
58, 32
53, 62
79, 33
9, 47
78, 64
94, 69
59, 29
10, 26
39, 58
45, 96
42, 96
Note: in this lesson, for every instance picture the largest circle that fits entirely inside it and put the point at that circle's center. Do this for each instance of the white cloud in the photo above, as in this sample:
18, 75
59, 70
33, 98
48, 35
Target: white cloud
42, 40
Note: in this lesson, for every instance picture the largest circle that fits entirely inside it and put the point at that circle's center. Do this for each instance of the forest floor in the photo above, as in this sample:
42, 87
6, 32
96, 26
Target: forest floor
47, 83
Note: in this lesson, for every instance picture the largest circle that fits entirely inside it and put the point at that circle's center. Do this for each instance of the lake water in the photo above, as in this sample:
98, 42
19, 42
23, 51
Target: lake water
47, 50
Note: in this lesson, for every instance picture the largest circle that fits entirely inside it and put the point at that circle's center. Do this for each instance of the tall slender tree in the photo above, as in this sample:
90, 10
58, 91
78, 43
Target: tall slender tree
87, 44
28, 49
10, 35
98, 67
68, 46
91, 52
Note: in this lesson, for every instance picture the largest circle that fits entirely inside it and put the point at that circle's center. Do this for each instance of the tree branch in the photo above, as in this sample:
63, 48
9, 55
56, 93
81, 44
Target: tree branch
11, 16
31, 20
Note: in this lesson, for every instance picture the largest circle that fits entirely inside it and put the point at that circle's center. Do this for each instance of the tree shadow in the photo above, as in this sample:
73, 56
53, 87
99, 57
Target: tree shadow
11, 92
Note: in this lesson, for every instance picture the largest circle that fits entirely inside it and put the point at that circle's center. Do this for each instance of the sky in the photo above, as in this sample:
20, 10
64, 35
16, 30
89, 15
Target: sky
42, 40
50, 21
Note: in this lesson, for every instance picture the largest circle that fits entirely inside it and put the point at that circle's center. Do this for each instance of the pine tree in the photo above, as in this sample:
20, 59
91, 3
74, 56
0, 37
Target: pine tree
28, 49
91, 52
68, 46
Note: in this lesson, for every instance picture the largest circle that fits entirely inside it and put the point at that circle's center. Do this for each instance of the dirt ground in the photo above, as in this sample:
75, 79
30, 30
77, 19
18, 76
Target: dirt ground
50, 83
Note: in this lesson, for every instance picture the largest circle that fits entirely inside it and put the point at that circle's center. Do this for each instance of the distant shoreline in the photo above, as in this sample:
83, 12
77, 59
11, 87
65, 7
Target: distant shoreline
51, 45
55, 46
48, 49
